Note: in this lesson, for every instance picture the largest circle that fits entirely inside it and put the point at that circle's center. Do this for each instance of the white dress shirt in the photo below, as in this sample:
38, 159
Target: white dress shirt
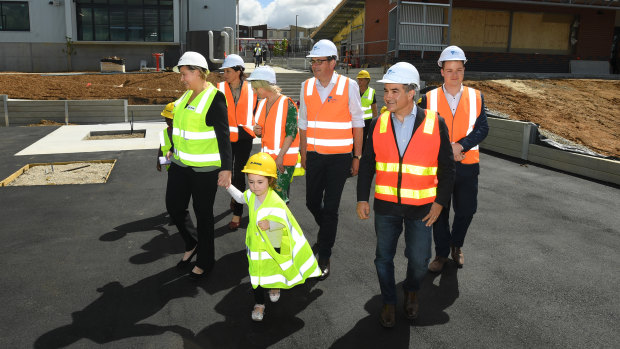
355, 102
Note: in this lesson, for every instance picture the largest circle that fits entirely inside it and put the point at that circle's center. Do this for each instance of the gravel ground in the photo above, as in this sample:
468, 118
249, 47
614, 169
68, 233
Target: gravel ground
74, 173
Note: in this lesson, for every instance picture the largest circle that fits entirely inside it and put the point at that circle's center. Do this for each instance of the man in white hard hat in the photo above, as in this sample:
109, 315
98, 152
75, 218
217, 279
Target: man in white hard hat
463, 109
409, 149
331, 128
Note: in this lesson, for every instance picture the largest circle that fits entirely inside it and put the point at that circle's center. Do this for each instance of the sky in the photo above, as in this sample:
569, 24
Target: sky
281, 13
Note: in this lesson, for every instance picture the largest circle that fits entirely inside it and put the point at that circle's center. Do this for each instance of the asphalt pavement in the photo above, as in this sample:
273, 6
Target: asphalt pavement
89, 266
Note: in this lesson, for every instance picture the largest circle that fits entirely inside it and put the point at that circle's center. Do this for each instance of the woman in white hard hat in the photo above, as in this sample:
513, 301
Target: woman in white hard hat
276, 124
241, 102
201, 160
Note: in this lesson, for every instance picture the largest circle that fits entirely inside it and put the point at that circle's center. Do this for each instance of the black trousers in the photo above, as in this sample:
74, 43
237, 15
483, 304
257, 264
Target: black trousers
185, 183
325, 178
465, 203
241, 153
366, 128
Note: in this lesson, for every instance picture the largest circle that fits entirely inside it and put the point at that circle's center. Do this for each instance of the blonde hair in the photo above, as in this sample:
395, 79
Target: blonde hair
204, 73
267, 86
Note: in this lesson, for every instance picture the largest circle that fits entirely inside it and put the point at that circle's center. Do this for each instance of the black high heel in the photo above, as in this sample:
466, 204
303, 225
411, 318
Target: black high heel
185, 263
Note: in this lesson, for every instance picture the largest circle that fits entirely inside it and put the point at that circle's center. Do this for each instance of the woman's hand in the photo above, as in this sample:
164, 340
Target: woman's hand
258, 130
224, 179
280, 163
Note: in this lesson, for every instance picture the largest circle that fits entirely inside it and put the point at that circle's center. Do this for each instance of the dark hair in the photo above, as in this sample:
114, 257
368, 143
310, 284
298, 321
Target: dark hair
240, 68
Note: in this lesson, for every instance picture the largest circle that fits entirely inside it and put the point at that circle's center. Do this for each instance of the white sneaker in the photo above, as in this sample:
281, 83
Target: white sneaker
259, 312
274, 294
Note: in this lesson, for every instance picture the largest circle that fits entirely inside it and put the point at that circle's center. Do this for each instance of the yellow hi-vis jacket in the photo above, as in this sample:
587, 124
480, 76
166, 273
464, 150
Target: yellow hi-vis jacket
367, 99
295, 262
195, 143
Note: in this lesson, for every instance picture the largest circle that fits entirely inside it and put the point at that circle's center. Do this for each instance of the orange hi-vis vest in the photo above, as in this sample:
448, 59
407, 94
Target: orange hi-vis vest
410, 179
274, 132
462, 123
242, 113
330, 129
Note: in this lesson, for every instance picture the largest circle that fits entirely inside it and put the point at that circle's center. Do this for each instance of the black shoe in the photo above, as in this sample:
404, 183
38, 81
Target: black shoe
325, 268
185, 263
195, 276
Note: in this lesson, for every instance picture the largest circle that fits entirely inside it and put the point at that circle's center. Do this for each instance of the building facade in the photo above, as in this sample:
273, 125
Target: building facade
73, 35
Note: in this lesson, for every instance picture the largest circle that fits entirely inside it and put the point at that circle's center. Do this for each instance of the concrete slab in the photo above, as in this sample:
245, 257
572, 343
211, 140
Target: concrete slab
93, 266
72, 139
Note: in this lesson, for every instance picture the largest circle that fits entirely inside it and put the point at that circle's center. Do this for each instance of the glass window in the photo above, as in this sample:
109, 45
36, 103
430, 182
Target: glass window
125, 20
14, 16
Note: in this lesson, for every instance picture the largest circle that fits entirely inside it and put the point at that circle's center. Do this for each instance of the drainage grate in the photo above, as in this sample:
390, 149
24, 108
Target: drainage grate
122, 134
60, 173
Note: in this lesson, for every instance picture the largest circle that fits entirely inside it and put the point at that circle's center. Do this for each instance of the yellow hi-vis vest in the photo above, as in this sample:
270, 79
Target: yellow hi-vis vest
295, 262
367, 99
194, 142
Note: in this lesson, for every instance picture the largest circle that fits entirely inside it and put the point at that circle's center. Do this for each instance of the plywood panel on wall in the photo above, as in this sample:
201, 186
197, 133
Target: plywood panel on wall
541, 31
480, 28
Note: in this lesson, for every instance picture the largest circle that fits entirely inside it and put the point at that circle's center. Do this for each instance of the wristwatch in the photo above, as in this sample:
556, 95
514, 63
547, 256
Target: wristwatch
359, 157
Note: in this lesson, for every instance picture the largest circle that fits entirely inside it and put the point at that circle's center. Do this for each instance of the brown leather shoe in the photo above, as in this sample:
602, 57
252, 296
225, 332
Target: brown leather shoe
411, 305
325, 269
457, 256
387, 318
436, 265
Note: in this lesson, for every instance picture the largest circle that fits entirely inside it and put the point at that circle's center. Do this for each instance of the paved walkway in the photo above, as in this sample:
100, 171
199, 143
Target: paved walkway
92, 266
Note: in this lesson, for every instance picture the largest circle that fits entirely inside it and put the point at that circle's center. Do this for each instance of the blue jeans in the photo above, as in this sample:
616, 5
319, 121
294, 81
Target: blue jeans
417, 251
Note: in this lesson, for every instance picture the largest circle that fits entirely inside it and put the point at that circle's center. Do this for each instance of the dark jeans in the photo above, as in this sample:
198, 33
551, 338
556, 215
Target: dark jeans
417, 252
325, 178
183, 184
465, 202
241, 153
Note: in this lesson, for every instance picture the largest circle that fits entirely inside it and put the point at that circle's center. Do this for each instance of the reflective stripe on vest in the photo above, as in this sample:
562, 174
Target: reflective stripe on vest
274, 130
409, 179
295, 262
329, 129
240, 114
195, 143
462, 123
367, 99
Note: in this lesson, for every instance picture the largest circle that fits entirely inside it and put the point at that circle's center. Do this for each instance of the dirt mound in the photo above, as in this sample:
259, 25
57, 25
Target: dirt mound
584, 111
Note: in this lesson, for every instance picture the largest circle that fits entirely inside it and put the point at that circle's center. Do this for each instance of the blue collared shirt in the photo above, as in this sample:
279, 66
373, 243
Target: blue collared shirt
404, 130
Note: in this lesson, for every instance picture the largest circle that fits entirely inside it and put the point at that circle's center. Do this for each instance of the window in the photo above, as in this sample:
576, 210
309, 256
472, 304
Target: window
14, 16
285, 34
258, 33
125, 20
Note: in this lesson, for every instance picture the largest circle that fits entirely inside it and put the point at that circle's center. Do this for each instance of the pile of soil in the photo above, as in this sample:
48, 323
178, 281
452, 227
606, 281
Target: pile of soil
584, 111
74, 173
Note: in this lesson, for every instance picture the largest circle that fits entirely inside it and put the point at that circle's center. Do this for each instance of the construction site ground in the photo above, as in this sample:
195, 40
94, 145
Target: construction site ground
585, 111
93, 266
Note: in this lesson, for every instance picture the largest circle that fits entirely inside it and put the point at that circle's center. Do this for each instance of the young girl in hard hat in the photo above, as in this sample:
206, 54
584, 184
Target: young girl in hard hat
272, 236
164, 137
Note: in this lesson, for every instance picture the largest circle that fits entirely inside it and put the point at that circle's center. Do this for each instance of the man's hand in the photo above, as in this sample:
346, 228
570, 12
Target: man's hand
303, 159
355, 166
168, 155
457, 150
363, 209
224, 179
433, 214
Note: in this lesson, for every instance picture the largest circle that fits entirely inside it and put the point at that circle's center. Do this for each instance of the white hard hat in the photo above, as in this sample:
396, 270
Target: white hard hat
265, 73
452, 53
191, 58
401, 73
323, 48
232, 60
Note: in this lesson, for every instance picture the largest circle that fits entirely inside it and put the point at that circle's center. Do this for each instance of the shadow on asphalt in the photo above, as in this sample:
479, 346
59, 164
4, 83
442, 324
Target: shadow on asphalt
120, 310
434, 300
